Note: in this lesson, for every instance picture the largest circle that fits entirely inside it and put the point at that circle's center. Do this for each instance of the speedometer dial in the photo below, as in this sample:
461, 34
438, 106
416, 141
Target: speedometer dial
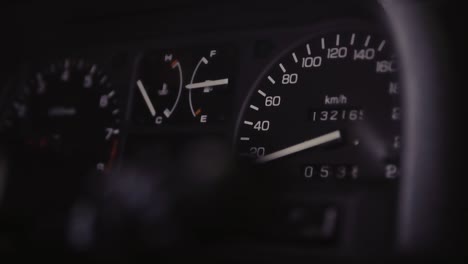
328, 108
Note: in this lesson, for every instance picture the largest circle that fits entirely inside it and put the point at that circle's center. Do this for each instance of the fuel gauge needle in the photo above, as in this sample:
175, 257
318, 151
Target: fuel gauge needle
207, 83
314, 142
146, 98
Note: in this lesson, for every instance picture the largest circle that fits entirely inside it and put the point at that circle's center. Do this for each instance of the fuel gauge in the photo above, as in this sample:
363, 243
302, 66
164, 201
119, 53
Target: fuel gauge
210, 85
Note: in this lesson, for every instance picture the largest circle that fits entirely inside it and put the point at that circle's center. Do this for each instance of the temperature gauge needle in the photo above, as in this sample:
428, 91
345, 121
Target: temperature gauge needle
301, 146
207, 84
146, 98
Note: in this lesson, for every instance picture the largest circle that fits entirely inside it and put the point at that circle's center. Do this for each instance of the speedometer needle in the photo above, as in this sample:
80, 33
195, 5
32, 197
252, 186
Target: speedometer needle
207, 83
301, 146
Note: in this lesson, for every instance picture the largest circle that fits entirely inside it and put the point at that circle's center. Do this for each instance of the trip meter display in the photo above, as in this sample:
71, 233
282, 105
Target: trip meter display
327, 109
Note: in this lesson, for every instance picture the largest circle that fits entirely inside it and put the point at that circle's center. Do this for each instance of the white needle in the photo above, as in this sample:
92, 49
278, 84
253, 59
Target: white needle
146, 97
301, 146
207, 83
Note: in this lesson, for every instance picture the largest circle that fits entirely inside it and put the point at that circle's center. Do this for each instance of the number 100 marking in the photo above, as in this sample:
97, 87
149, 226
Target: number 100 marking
309, 62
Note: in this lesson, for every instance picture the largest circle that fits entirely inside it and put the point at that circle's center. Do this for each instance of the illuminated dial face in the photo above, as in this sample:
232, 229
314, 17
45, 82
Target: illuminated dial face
183, 87
158, 89
210, 85
327, 109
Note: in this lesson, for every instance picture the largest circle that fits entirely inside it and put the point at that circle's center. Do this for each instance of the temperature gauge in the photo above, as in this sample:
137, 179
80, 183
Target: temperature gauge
159, 88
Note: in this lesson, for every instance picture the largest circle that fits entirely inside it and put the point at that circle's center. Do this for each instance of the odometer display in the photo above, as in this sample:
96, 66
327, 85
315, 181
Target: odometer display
328, 108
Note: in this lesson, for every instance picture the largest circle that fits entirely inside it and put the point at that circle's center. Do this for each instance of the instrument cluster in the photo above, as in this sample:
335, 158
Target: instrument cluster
286, 113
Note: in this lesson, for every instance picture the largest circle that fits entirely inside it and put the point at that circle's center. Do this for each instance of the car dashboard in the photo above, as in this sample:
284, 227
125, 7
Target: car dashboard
210, 130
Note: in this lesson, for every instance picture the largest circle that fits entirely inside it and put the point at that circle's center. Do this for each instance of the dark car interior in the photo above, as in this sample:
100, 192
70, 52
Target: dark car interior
232, 132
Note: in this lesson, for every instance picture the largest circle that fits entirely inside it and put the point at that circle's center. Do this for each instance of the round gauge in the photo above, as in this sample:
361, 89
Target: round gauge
328, 108
159, 85
68, 114
208, 87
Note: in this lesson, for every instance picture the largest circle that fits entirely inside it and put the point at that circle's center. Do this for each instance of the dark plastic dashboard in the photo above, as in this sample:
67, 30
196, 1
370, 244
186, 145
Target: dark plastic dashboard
171, 180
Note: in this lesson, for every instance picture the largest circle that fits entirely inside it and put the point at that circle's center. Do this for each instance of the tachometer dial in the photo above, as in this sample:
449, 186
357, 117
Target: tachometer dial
69, 111
62, 137
327, 108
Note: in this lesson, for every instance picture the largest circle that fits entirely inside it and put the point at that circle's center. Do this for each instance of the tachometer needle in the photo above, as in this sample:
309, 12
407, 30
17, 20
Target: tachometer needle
301, 146
207, 84
146, 98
